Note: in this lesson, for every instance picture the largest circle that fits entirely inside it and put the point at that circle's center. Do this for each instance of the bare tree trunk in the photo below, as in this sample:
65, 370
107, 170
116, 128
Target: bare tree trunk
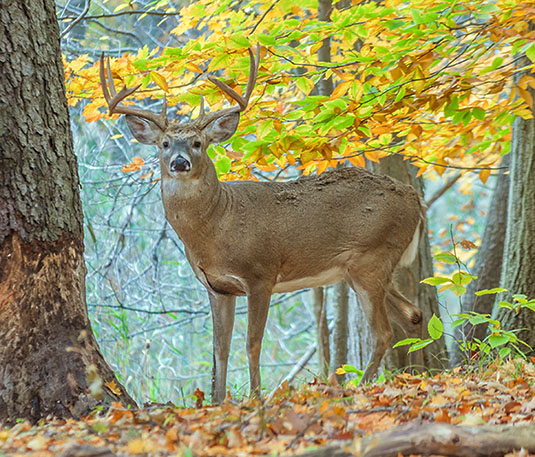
488, 266
518, 271
49, 360
322, 329
340, 329
408, 279
324, 87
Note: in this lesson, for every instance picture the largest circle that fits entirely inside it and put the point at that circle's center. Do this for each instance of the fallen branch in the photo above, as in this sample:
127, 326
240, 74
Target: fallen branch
438, 438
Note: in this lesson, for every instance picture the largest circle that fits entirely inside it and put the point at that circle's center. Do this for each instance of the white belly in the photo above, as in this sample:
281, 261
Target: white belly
325, 278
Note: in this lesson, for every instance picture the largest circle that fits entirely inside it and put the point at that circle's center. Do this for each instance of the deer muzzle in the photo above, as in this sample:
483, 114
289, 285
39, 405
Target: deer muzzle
179, 165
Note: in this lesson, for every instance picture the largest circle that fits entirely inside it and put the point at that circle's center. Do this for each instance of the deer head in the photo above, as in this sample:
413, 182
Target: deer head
182, 145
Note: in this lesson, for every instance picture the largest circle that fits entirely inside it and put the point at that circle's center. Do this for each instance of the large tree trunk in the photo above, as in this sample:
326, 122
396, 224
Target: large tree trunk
49, 360
408, 282
518, 272
488, 266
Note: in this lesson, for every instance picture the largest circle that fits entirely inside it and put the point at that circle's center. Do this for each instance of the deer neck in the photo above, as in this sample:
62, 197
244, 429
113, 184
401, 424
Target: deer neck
194, 203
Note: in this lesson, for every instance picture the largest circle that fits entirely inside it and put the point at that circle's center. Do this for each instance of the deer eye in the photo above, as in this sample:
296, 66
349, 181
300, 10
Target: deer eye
165, 144
197, 144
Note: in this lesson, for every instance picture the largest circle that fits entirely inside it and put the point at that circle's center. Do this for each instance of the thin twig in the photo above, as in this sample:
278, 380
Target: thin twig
443, 189
123, 13
78, 19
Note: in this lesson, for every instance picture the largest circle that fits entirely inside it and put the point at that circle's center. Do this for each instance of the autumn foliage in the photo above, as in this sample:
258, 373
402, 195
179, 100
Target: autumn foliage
430, 80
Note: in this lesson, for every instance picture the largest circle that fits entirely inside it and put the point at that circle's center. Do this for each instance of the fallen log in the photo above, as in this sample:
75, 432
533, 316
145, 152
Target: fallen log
437, 438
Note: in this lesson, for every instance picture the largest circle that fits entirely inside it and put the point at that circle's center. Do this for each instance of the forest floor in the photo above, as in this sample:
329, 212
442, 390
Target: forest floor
294, 421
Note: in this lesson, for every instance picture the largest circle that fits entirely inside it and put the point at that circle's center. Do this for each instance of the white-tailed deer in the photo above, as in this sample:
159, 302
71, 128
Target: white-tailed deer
257, 238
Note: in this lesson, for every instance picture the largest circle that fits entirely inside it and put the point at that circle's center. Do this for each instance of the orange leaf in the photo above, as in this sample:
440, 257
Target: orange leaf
358, 161
484, 175
134, 165
113, 387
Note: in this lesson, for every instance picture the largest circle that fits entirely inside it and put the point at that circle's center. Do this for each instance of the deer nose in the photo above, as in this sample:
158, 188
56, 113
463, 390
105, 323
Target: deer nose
179, 164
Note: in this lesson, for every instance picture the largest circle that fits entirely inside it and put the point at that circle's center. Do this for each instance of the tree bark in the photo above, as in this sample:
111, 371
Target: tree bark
408, 280
322, 329
436, 439
340, 328
49, 360
519, 250
488, 265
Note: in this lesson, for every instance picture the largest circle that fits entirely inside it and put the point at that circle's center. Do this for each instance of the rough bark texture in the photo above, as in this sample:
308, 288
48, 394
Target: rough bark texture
49, 359
408, 281
488, 265
436, 439
519, 251
340, 328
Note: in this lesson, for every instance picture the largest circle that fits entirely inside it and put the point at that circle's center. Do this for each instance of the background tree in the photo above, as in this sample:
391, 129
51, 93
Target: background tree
519, 249
49, 360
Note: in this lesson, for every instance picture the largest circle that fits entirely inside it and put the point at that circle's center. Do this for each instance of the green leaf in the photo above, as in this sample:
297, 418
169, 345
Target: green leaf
451, 108
435, 280
458, 322
462, 278
239, 41
419, 346
457, 290
100, 427
496, 290
479, 113
498, 340
407, 341
446, 257
479, 319
351, 369
435, 327
304, 84
222, 165
530, 52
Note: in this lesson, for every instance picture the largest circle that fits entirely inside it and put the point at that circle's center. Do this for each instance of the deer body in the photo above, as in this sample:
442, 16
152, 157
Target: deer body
291, 235
256, 238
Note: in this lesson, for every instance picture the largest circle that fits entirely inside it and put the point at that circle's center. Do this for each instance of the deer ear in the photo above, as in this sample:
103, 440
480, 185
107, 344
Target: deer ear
144, 131
222, 128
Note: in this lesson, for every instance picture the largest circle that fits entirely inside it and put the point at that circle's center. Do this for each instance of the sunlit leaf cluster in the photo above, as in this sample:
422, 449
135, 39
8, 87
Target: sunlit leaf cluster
431, 80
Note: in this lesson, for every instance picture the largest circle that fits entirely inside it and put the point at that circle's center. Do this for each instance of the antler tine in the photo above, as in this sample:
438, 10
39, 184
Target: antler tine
114, 99
243, 101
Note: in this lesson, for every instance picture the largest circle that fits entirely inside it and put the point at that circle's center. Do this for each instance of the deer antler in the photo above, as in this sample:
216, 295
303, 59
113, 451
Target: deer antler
204, 119
114, 99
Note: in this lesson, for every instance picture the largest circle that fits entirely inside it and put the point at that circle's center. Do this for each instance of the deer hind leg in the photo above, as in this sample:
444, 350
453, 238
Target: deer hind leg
409, 318
223, 309
370, 289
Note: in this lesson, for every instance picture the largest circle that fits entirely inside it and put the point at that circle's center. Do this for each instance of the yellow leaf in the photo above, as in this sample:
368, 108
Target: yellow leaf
357, 89
193, 67
138, 446
340, 371
113, 387
341, 89
114, 137
159, 80
526, 95
484, 175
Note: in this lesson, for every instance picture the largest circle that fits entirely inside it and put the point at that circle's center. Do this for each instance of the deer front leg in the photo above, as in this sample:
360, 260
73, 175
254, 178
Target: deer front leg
258, 302
223, 308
